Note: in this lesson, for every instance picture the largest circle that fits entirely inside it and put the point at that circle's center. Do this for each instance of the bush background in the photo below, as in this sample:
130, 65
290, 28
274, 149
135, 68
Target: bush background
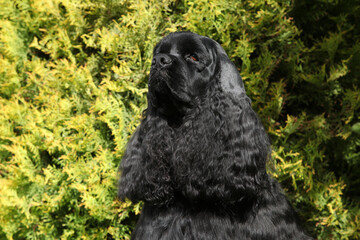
73, 80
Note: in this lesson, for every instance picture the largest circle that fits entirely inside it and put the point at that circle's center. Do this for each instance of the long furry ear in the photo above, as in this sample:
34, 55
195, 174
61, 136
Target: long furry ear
222, 149
130, 166
251, 148
221, 152
248, 140
144, 168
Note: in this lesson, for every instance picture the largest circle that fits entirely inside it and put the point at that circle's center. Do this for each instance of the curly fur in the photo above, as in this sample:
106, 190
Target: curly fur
198, 158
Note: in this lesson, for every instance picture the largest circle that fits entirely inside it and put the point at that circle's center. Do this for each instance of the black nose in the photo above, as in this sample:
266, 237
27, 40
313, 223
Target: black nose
161, 60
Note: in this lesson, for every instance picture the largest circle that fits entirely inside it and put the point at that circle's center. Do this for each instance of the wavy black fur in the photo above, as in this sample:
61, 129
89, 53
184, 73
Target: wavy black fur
198, 158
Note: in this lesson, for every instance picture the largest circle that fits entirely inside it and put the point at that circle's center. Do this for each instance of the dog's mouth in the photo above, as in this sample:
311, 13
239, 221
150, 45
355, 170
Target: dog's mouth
162, 94
166, 100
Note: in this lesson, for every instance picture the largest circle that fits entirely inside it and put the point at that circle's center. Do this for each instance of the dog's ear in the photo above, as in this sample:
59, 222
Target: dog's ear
230, 79
226, 71
144, 168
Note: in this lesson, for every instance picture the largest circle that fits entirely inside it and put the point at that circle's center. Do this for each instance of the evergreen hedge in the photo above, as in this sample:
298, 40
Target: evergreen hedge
73, 81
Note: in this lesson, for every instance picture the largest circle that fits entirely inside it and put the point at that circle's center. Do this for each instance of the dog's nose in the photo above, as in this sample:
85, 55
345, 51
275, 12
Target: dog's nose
161, 60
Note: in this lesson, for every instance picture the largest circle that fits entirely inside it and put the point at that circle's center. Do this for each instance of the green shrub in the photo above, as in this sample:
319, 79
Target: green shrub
73, 86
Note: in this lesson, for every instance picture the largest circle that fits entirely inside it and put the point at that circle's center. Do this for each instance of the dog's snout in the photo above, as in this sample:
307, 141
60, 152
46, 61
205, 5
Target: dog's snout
161, 60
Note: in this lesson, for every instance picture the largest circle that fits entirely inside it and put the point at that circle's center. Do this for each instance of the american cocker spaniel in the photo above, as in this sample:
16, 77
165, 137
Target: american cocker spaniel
198, 158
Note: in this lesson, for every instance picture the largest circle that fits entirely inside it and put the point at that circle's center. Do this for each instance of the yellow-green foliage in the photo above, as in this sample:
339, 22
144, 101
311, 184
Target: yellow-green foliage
73, 86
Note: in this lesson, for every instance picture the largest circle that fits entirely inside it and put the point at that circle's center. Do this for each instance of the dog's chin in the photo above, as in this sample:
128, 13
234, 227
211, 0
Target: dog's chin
167, 102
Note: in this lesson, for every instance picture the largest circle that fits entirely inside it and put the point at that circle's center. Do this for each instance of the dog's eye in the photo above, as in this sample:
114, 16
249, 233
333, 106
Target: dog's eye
194, 57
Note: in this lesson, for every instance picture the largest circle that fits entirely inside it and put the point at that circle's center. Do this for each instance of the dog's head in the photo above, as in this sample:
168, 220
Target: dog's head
183, 68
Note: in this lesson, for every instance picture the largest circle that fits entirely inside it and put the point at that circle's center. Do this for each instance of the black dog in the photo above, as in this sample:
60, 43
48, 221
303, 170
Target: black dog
198, 158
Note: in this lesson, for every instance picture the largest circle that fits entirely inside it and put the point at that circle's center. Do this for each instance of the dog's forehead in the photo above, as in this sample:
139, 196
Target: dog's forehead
181, 43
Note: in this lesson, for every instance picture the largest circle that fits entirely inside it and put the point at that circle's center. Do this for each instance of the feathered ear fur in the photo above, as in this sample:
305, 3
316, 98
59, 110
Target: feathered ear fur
145, 166
221, 151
